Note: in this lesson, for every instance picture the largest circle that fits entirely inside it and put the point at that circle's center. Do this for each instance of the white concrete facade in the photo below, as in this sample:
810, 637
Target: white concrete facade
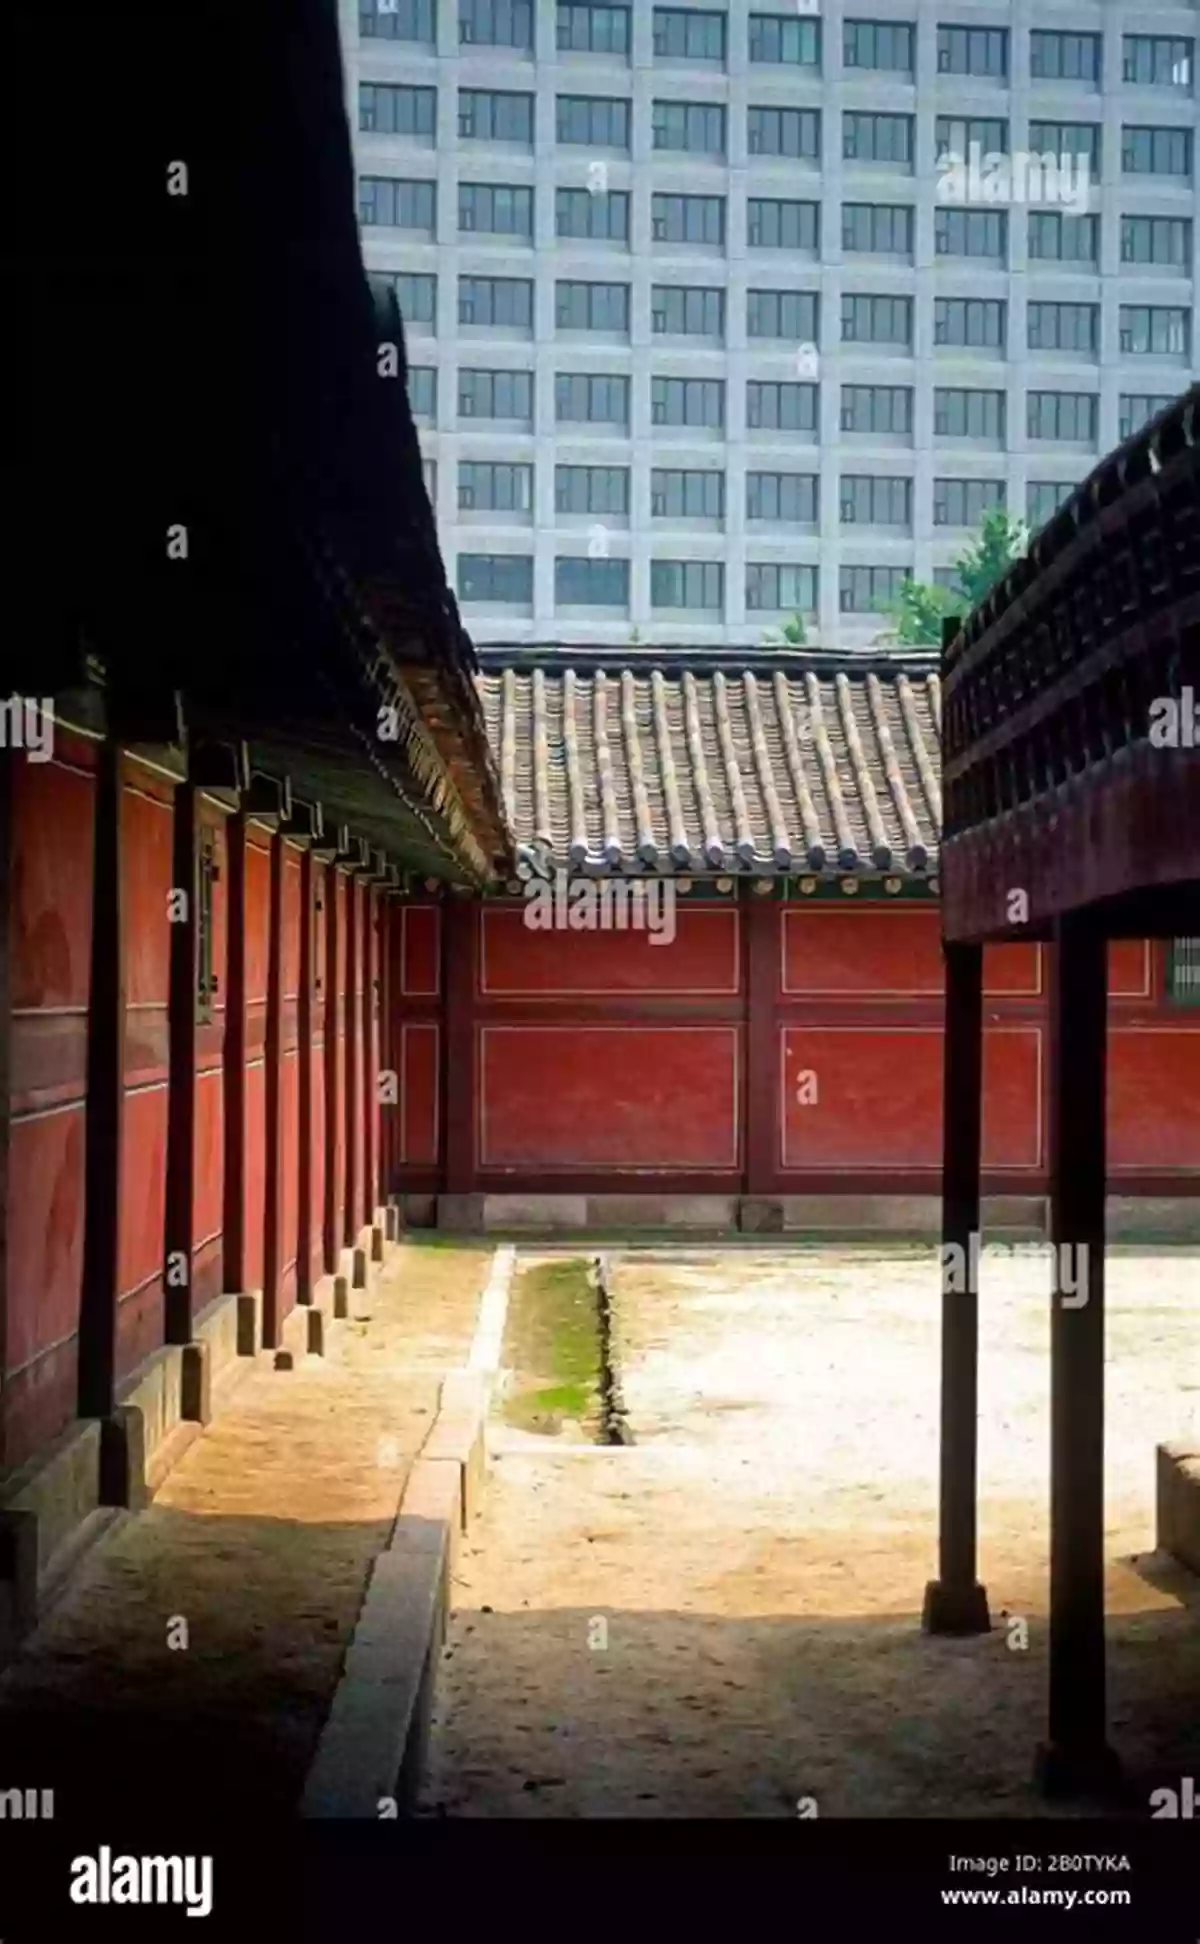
1110, 373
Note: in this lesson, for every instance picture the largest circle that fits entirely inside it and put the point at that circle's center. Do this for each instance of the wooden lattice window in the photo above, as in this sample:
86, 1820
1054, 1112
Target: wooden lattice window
1183, 971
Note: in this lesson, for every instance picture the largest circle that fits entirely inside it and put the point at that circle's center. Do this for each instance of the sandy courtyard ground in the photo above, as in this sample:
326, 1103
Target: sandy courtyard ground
725, 1618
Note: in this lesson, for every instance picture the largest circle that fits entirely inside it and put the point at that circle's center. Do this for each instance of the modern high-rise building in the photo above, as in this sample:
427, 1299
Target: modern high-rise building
719, 314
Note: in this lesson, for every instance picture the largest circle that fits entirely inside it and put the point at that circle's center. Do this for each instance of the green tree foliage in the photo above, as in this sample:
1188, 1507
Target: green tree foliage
1002, 539
921, 606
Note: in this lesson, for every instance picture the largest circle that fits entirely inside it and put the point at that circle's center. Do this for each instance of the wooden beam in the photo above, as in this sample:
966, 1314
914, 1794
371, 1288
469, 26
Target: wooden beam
1076, 1759
955, 1602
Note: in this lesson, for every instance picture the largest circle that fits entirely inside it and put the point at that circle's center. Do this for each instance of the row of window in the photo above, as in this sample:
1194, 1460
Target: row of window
603, 399
701, 128
772, 498
793, 316
772, 223
677, 586
701, 35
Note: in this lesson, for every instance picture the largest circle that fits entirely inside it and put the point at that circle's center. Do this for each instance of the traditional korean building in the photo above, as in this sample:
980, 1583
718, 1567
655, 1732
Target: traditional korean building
240, 707
778, 1063
272, 840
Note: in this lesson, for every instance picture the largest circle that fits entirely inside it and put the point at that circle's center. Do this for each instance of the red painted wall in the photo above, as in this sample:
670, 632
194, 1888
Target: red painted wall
48, 941
147, 881
573, 1059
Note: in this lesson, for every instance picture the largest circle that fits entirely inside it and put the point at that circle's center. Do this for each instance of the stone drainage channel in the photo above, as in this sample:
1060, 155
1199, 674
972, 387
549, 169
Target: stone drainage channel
562, 1352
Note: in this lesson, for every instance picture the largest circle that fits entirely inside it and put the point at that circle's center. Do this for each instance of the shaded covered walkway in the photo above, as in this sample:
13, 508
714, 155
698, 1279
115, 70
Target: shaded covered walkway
190, 1665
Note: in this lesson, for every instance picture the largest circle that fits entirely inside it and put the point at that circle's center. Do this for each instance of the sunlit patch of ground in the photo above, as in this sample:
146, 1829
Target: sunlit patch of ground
758, 1558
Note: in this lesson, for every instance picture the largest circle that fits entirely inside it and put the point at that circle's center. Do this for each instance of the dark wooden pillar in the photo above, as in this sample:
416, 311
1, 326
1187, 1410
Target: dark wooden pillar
105, 1098
389, 1049
1076, 1759
762, 918
955, 1602
334, 1058
370, 1050
353, 1059
272, 1141
234, 1212
181, 1103
459, 1079
304, 1085
7, 921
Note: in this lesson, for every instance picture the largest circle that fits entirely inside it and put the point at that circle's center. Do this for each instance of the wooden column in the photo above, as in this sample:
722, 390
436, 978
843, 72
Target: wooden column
1076, 1758
762, 918
272, 1145
459, 1078
334, 1059
389, 1040
181, 1106
304, 1091
353, 1021
234, 1214
105, 1099
7, 921
955, 1602
370, 1060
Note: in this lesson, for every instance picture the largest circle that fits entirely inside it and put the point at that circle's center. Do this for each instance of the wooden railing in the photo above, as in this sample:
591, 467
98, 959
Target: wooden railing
1055, 673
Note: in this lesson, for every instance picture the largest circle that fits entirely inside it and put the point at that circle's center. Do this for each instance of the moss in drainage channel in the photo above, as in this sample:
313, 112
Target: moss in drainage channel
552, 1347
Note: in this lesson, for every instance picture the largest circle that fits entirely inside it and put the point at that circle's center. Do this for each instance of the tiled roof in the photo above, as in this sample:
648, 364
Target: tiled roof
757, 769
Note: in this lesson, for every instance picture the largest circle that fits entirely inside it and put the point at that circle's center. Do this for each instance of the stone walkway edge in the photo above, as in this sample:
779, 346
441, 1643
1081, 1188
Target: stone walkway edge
372, 1750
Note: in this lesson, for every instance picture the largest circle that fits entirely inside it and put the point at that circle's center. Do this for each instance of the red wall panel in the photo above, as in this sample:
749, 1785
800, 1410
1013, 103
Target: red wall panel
48, 943
143, 1206
420, 950
45, 1208
148, 836
621, 1097
701, 959
208, 1186
890, 954
254, 1184
51, 889
1129, 967
879, 1098
1153, 1098
419, 1095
